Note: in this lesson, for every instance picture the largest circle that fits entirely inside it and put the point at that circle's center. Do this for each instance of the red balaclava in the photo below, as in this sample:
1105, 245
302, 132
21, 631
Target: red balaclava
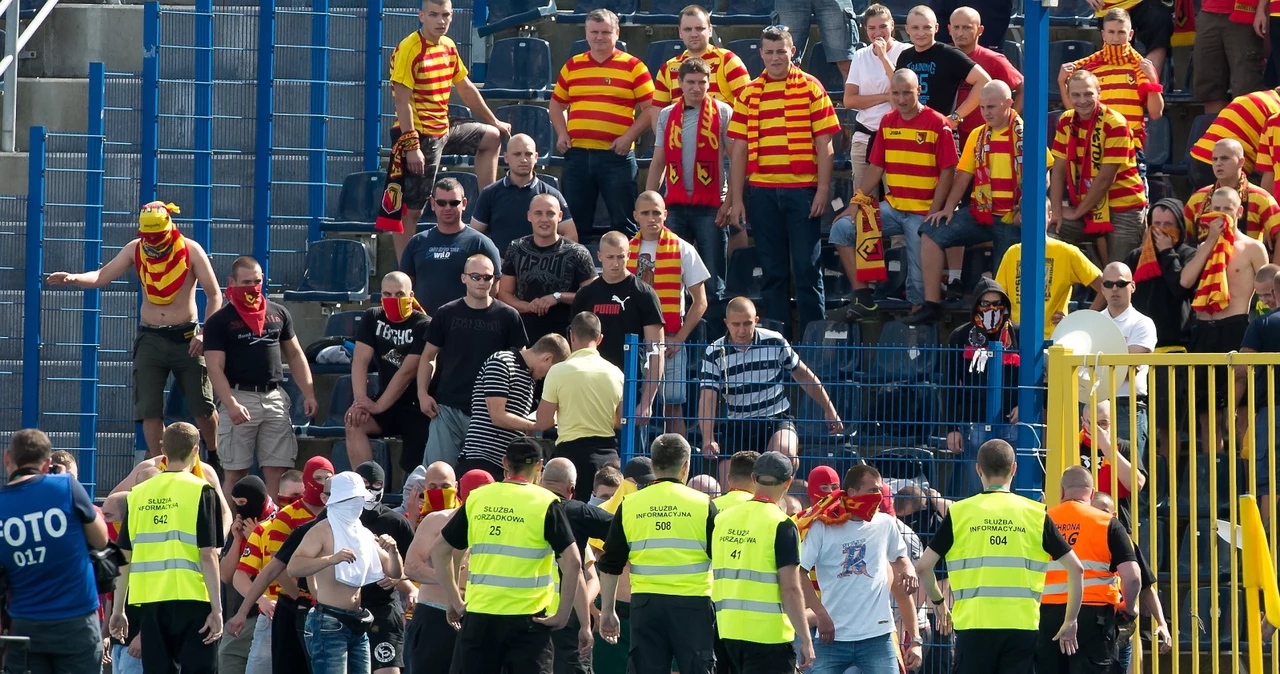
472, 480
820, 477
312, 489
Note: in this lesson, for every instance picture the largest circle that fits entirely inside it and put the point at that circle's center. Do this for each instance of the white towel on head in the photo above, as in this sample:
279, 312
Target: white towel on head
346, 501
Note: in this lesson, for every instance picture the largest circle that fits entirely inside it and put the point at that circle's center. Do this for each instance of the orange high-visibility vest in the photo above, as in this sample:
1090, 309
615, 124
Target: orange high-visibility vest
1085, 528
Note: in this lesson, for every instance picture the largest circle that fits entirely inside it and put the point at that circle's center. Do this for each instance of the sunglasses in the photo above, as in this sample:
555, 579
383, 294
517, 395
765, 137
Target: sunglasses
1116, 284
777, 28
987, 304
480, 277
448, 202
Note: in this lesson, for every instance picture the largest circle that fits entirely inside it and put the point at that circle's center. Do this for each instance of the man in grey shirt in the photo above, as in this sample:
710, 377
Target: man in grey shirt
690, 162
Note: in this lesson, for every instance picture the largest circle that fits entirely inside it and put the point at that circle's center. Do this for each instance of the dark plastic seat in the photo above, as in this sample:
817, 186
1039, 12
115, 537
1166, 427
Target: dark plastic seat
357, 203
297, 407
749, 51
1066, 51
746, 13
459, 111
661, 51
744, 276
831, 350
900, 400
898, 8
1159, 144
661, 13
623, 8
1199, 126
381, 454
533, 120
549, 179
1159, 188
827, 73
337, 270
905, 353
1013, 51
504, 14
343, 324
519, 68
340, 400
1071, 14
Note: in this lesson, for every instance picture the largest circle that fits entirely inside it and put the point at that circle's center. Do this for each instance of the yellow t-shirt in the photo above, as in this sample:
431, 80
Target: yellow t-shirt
429, 70
1064, 266
587, 390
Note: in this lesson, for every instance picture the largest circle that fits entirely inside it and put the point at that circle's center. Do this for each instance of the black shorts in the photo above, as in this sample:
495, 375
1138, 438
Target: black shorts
386, 636
1152, 24
406, 421
1222, 336
740, 435
995, 651
1096, 634
495, 643
746, 657
467, 464
430, 640
461, 138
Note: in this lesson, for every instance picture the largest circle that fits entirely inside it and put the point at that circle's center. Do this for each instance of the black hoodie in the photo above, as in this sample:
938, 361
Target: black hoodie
966, 400
1163, 298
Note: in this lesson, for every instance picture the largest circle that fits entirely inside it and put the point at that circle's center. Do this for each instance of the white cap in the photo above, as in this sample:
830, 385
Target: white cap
347, 485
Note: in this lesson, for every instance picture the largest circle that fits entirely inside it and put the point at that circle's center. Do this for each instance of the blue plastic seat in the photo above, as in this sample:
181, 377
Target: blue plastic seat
1196, 618
749, 51
1159, 144
357, 203
744, 276
1013, 51
661, 51
1065, 51
504, 14
337, 270
533, 120
340, 400
519, 68
746, 13
904, 463
1071, 14
900, 397
661, 13
549, 179
906, 352
623, 8
832, 351
459, 111
1199, 126
827, 73
343, 324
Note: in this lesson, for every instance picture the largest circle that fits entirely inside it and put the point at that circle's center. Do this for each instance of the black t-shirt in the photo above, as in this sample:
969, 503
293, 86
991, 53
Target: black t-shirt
941, 70
466, 338
587, 522
786, 544
208, 523
252, 360
1262, 336
291, 543
1054, 543
1119, 545
624, 308
555, 529
543, 270
392, 343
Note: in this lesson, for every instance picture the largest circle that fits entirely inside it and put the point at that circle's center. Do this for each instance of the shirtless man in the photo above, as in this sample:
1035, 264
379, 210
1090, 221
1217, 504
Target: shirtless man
169, 338
339, 556
1221, 318
430, 639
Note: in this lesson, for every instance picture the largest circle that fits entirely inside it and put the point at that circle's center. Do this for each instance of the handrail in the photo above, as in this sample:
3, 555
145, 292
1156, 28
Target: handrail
14, 45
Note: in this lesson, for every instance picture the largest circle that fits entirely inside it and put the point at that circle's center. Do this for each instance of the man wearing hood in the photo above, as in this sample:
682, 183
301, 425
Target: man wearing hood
386, 637
966, 377
1157, 276
341, 556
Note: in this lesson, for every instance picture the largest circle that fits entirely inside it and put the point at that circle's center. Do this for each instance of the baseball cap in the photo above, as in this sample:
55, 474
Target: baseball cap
772, 469
524, 452
640, 469
347, 485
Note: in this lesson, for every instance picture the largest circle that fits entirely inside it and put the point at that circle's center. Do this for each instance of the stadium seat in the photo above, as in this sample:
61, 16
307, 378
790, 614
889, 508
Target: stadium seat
533, 120
827, 73
744, 276
1199, 125
905, 353
1159, 188
1062, 52
745, 13
834, 280
297, 413
661, 13
549, 179
504, 14
357, 203
381, 454
1013, 51
1159, 144
1205, 505
1158, 558
898, 8
337, 270
661, 51
1196, 619
904, 463
459, 111
623, 8
343, 324
749, 51
340, 400
1070, 14
519, 68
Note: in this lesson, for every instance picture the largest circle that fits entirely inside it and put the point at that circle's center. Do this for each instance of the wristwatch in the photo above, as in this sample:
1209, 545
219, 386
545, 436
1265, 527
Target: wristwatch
955, 117
556, 295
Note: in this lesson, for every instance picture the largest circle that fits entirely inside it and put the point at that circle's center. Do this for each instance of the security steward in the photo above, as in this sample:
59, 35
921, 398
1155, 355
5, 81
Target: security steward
739, 483
998, 546
665, 531
1111, 581
171, 536
756, 577
516, 531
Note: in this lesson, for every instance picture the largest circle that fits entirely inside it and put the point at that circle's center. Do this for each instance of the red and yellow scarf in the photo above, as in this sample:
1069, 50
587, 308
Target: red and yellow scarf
1123, 55
1148, 260
982, 205
1212, 294
1199, 227
796, 124
869, 265
391, 208
399, 309
196, 470
437, 500
162, 255
1084, 161
706, 158
836, 508
1184, 23
667, 278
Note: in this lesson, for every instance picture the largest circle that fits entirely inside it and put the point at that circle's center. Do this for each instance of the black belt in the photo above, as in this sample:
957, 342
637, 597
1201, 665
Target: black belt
182, 332
1141, 400
358, 622
257, 388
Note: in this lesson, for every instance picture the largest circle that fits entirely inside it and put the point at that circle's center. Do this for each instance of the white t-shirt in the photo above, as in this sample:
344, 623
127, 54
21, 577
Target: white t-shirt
867, 72
914, 550
692, 269
1138, 330
852, 561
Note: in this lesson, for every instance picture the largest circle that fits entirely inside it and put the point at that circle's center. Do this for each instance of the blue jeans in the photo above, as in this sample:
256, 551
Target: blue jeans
334, 648
784, 232
697, 225
893, 221
122, 662
588, 174
876, 655
964, 230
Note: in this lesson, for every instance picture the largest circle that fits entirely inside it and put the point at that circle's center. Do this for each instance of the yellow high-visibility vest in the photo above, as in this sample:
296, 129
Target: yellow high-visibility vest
666, 528
744, 572
165, 566
997, 561
512, 565
733, 497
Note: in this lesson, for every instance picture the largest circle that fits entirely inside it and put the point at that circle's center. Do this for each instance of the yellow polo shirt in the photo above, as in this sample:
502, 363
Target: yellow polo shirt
587, 390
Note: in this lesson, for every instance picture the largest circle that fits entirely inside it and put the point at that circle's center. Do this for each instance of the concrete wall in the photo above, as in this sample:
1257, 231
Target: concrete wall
111, 34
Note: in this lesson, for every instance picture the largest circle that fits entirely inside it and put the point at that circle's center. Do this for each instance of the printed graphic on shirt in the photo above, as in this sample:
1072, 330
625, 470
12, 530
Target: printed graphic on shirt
855, 560
616, 305
645, 267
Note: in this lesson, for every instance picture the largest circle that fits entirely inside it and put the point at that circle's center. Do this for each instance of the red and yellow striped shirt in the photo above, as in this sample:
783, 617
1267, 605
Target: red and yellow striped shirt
1243, 119
1120, 87
602, 97
1269, 145
1000, 164
783, 153
266, 540
1127, 5
429, 70
1118, 147
913, 152
1262, 213
728, 77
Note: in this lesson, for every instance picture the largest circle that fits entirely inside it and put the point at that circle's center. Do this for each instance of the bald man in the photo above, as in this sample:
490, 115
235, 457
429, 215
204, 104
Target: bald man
500, 212
542, 272
969, 35
1261, 214
391, 338
705, 484
429, 639
941, 68
1140, 334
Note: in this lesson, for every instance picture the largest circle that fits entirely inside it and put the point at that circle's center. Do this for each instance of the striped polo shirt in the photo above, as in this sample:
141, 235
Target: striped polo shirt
602, 97
750, 380
265, 541
1119, 90
1243, 119
1262, 214
1118, 147
785, 155
1000, 164
913, 152
503, 375
728, 77
429, 70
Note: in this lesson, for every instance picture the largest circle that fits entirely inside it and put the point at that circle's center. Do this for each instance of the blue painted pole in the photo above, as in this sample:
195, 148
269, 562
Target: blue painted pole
373, 85
262, 133
149, 138
202, 157
317, 157
1035, 110
91, 319
34, 279
631, 370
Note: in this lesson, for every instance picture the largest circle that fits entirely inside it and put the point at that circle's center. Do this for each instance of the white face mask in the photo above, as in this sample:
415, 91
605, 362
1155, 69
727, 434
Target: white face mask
990, 319
595, 500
